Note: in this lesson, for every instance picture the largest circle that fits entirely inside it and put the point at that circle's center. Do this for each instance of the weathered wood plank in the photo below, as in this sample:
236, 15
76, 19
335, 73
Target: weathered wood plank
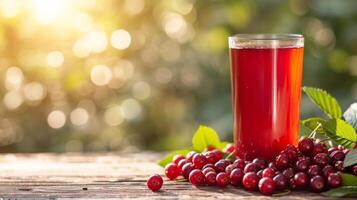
102, 176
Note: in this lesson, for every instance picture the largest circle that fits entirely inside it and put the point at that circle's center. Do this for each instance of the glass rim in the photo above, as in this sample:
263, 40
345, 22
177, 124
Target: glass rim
262, 40
267, 36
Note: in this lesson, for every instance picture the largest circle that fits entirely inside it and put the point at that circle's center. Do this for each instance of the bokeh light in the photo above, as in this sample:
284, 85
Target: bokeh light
113, 115
79, 116
120, 39
101, 75
56, 119
34, 91
55, 59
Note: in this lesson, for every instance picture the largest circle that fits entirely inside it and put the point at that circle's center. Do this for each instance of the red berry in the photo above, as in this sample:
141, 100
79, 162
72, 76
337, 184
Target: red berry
251, 167
261, 163
302, 165
236, 176
332, 149
154, 182
199, 160
339, 166
210, 157
230, 168
321, 159
314, 170
190, 155
266, 186
281, 181
222, 179
182, 163
207, 165
306, 145
268, 173
239, 163
186, 169
282, 161
217, 155
176, 159
317, 183
209, 148
229, 148
301, 179
319, 148
196, 177
289, 173
211, 178
292, 184
354, 170
207, 170
250, 181
327, 170
172, 171
291, 147
260, 173
337, 155
334, 180
221, 165
292, 155
272, 165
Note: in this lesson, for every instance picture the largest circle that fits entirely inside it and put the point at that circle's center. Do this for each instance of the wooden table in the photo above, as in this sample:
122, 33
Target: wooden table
113, 175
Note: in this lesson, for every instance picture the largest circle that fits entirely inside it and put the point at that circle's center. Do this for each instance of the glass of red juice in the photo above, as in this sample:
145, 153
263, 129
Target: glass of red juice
266, 73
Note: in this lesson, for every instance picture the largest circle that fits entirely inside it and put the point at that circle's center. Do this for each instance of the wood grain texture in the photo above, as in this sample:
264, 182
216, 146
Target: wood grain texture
117, 176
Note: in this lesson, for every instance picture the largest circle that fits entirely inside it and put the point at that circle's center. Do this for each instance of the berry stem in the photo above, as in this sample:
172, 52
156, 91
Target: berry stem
313, 133
231, 154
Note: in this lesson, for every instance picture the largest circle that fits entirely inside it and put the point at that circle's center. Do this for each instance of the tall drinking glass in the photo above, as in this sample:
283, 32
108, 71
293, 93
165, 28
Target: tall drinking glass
266, 73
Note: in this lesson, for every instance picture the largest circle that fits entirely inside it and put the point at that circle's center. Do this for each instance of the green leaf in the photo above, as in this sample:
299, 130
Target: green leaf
344, 191
168, 158
349, 179
351, 158
325, 101
205, 137
341, 132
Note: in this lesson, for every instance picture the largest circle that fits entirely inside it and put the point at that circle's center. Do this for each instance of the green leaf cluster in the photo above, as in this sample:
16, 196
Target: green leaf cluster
204, 137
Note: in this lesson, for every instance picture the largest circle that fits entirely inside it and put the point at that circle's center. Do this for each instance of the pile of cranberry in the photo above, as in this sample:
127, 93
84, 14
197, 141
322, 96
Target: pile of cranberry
310, 165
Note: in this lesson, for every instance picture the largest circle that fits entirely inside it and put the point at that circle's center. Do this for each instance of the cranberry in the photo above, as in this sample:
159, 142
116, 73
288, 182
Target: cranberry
321, 159
327, 170
186, 169
236, 176
289, 172
229, 148
260, 173
301, 179
337, 155
319, 148
207, 165
268, 172
332, 149
221, 165
291, 147
196, 177
306, 145
261, 163
154, 182
199, 160
272, 165
229, 160
182, 163
354, 170
207, 170
292, 155
339, 166
266, 186
292, 184
302, 165
230, 168
250, 181
210, 157
211, 178
314, 170
282, 161
190, 155
172, 171
240, 163
251, 167
209, 148
317, 183
217, 155
305, 158
222, 179
176, 159
334, 180
281, 181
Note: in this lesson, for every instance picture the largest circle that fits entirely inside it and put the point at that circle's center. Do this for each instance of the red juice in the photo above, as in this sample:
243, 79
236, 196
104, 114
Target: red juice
266, 90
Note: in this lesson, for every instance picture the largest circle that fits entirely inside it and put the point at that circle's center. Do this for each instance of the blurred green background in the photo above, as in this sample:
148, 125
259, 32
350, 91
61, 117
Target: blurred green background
86, 75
